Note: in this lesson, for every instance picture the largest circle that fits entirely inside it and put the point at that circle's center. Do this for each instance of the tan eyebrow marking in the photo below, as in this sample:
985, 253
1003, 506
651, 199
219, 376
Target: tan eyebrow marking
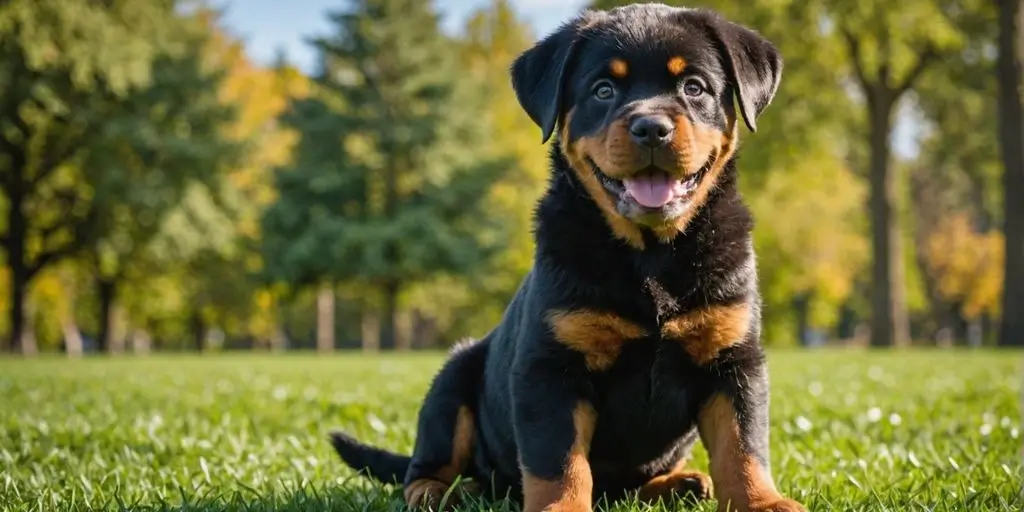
676, 65
619, 68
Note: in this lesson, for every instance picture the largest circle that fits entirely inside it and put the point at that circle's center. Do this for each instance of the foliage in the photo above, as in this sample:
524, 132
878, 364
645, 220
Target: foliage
108, 118
493, 37
849, 431
969, 266
388, 188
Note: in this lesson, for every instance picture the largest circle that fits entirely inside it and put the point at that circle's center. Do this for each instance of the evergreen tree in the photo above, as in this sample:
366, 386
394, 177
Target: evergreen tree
390, 183
494, 37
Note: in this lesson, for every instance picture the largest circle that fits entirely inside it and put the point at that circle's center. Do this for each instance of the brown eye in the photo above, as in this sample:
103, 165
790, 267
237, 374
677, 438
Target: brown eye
604, 90
693, 87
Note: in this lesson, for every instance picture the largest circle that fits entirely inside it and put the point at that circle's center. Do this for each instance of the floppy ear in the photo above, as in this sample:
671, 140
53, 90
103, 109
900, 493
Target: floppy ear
538, 75
755, 68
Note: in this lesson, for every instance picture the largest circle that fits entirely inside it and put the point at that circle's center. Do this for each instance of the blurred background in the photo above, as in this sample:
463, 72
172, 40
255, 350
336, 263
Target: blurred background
329, 174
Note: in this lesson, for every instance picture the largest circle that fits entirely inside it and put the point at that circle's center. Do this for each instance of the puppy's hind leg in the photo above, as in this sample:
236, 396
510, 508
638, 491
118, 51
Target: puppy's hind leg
446, 429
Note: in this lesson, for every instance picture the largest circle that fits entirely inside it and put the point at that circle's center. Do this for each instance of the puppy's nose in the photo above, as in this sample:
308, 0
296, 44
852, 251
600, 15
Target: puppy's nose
652, 131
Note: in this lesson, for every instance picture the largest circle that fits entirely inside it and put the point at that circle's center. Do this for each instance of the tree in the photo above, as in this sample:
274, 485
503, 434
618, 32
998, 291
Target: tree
201, 246
890, 45
955, 188
62, 64
151, 167
388, 188
470, 305
1011, 141
211, 242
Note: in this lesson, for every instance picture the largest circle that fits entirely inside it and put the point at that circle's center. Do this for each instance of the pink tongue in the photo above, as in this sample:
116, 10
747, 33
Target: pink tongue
652, 191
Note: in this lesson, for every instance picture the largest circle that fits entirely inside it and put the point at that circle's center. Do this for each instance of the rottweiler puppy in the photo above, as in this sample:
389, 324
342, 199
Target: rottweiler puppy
638, 329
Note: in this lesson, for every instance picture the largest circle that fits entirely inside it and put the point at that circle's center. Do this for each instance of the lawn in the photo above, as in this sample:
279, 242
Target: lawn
850, 431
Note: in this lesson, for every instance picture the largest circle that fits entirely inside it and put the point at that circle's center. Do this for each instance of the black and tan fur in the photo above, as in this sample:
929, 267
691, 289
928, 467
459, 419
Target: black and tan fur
638, 331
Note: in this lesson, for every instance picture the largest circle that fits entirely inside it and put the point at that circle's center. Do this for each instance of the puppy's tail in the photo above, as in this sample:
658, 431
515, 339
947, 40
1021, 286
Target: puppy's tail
377, 463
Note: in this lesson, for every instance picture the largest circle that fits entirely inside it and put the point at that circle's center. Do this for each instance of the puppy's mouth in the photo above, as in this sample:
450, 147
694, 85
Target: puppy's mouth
655, 188
652, 192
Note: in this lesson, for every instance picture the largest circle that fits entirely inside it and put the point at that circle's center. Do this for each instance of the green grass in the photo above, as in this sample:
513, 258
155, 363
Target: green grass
850, 431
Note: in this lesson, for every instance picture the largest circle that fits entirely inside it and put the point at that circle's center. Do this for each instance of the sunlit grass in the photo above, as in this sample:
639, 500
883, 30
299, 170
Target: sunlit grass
851, 431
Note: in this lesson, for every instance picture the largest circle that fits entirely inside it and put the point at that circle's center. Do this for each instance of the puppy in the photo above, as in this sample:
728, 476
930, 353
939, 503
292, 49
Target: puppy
638, 329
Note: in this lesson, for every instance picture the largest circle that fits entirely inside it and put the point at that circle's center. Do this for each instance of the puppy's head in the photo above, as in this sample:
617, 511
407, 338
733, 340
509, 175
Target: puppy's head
643, 98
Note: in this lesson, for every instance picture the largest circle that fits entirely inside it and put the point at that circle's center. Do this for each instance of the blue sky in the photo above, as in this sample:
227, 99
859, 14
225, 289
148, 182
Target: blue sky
266, 25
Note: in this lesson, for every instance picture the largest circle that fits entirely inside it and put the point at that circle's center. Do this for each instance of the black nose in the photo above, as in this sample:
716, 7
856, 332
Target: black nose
652, 131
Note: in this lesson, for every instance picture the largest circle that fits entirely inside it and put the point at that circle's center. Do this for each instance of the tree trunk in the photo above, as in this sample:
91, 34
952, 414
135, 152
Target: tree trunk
847, 325
889, 323
279, 339
1011, 138
107, 290
325, 319
73, 344
19, 289
198, 331
802, 307
403, 331
389, 320
370, 330
142, 344
425, 332
928, 216
29, 345
20, 273
959, 325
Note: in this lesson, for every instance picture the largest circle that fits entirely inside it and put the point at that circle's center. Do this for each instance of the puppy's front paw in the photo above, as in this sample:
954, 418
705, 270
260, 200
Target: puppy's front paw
783, 505
682, 485
428, 495
568, 507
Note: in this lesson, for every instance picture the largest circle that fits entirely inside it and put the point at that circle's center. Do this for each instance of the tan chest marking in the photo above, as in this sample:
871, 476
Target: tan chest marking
598, 336
706, 332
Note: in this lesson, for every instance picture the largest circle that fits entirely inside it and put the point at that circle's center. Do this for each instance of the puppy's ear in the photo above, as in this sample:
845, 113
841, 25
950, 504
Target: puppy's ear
538, 74
754, 66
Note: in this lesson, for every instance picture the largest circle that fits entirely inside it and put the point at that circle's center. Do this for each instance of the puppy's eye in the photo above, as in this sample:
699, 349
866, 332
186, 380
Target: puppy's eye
694, 87
604, 90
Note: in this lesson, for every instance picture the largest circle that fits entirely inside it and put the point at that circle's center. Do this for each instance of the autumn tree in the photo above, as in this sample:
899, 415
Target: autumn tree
388, 188
955, 189
65, 68
968, 267
889, 46
1011, 141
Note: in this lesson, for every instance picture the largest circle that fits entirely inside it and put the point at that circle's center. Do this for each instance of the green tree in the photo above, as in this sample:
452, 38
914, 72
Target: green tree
493, 37
890, 46
1011, 141
210, 243
953, 182
388, 188
64, 65
152, 166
